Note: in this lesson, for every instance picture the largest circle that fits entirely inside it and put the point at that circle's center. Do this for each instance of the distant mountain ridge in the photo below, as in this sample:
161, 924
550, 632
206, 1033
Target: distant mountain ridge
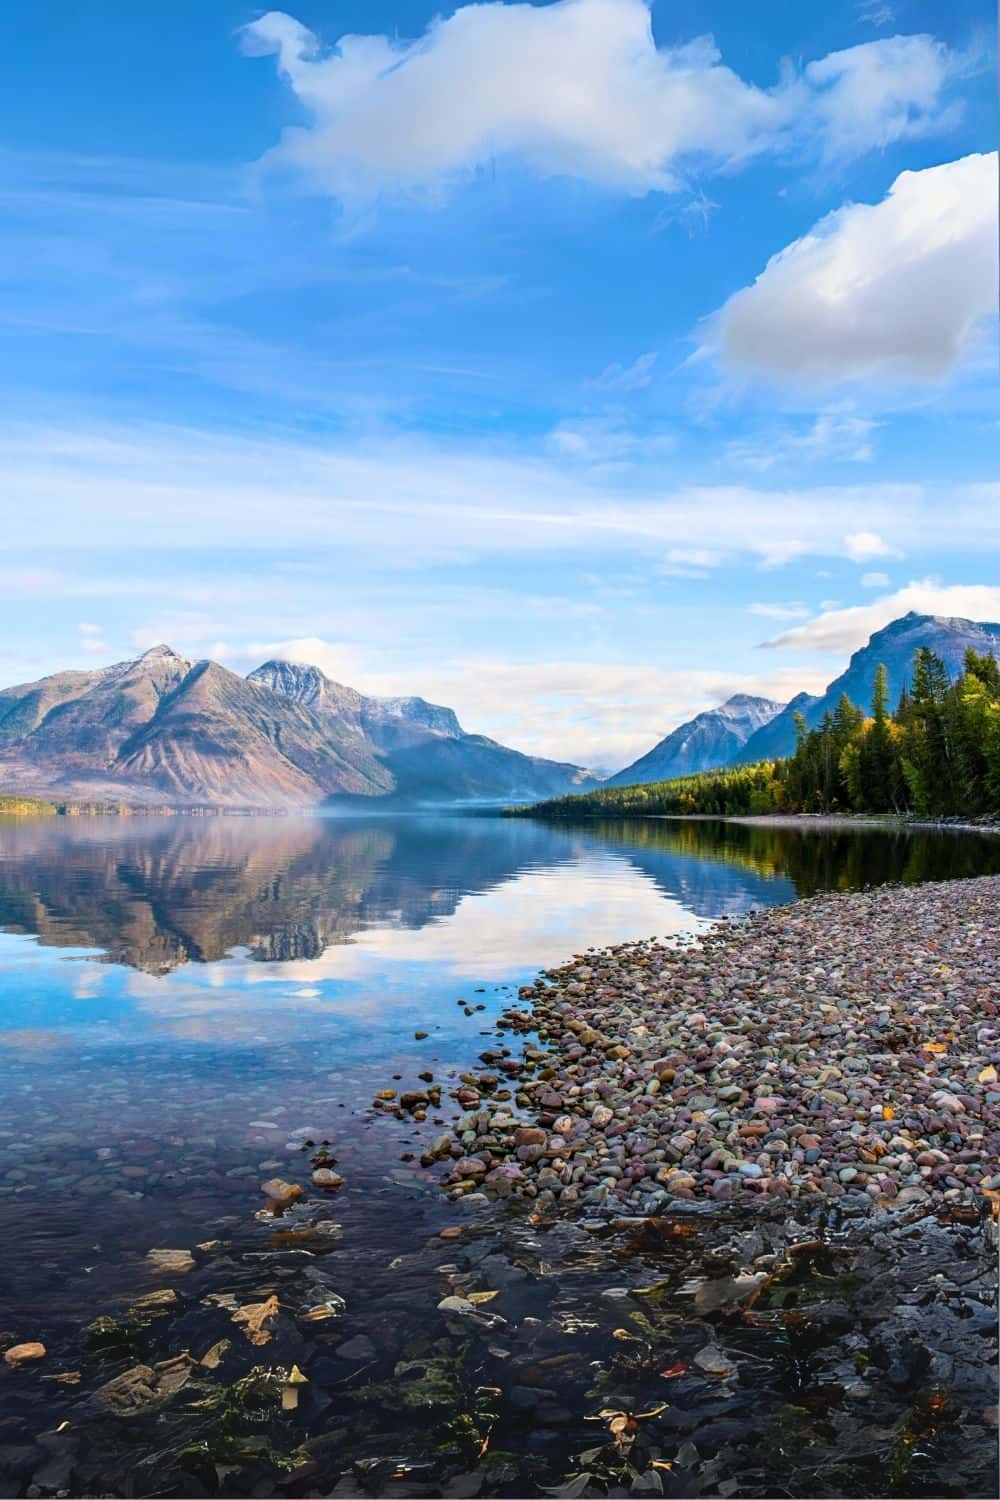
949, 637
709, 740
162, 728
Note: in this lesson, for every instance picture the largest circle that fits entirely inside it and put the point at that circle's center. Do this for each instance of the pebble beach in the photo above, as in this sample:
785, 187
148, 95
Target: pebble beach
845, 1047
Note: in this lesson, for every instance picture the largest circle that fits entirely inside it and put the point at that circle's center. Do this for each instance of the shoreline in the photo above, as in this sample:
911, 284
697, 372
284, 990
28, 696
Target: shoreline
843, 1047
799, 1344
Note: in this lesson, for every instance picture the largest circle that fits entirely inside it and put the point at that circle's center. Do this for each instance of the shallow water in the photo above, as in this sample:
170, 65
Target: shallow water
183, 1001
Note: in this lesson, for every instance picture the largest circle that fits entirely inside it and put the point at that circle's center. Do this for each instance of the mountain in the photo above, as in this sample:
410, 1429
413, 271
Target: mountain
385, 720
770, 741
892, 646
429, 754
162, 728
708, 740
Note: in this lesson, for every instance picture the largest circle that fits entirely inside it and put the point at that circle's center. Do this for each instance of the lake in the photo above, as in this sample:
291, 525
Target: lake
184, 1001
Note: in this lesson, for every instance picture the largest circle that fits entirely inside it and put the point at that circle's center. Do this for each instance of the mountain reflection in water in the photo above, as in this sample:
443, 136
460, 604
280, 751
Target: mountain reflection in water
157, 893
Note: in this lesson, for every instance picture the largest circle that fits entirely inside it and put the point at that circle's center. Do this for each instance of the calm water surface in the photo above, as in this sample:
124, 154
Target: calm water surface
184, 1000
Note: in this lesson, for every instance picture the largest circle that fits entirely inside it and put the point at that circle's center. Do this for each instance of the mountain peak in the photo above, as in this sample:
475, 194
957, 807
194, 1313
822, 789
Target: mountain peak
709, 740
892, 647
156, 653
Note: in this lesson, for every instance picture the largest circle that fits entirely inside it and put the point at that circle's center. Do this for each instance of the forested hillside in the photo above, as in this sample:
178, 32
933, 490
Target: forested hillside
937, 755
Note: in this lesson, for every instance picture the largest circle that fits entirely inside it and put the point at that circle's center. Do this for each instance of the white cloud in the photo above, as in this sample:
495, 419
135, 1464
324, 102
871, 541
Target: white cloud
593, 713
574, 88
844, 630
338, 660
608, 439
861, 545
898, 289
880, 92
795, 611
874, 580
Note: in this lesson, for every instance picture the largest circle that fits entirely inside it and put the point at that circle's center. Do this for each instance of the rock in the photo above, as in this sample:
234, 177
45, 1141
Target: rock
326, 1178
713, 1361
728, 1291
23, 1354
170, 1262
144, 1386
322, 1312
280, 1192
258, 1320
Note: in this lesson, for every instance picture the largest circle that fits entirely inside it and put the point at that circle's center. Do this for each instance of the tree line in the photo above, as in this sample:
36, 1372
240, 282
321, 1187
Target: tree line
936, 755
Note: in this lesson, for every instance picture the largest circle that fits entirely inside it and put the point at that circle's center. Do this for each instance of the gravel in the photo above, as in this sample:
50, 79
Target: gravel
844, 1047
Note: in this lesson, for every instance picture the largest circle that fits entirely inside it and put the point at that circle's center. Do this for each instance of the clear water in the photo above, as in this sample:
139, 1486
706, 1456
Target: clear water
182, 999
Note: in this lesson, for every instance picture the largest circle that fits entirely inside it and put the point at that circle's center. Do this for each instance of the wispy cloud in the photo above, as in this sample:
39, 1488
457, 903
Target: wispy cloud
609, 438
633, 377
837, 433
411, 499
793, 611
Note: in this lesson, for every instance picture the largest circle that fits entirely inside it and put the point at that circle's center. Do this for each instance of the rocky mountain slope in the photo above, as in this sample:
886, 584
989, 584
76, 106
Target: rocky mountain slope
708, 740
164, 729
430, 755
893, 646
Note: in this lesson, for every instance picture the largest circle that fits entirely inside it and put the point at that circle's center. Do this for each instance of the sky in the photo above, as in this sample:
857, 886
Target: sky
573, 364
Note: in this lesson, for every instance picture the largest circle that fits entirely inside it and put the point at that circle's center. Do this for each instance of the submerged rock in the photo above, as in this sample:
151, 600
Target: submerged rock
23, 1354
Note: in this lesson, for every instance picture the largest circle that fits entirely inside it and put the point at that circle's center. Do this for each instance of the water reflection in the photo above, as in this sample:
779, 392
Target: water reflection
176, 995
158, 893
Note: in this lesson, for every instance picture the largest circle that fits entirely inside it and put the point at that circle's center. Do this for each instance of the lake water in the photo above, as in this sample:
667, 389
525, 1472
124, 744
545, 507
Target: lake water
184, 1000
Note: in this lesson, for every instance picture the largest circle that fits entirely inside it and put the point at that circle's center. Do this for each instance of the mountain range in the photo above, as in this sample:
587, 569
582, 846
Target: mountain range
164, 729
713, 738
892, 647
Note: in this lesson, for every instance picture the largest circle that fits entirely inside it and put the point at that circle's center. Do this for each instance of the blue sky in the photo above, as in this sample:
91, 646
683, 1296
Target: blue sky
553, 361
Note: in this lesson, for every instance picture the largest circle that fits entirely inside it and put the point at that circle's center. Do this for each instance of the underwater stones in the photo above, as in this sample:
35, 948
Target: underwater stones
258, 1320
170, 1262
144, 1386
23, 1354
280, 1192
327, 1179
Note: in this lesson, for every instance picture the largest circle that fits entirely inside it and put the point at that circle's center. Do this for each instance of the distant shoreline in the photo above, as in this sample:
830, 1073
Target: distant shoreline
829, 822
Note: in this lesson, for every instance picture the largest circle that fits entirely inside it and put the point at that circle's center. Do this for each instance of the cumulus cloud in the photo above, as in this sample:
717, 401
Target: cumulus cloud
898, 289
844, 630
576, 88
874, 580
